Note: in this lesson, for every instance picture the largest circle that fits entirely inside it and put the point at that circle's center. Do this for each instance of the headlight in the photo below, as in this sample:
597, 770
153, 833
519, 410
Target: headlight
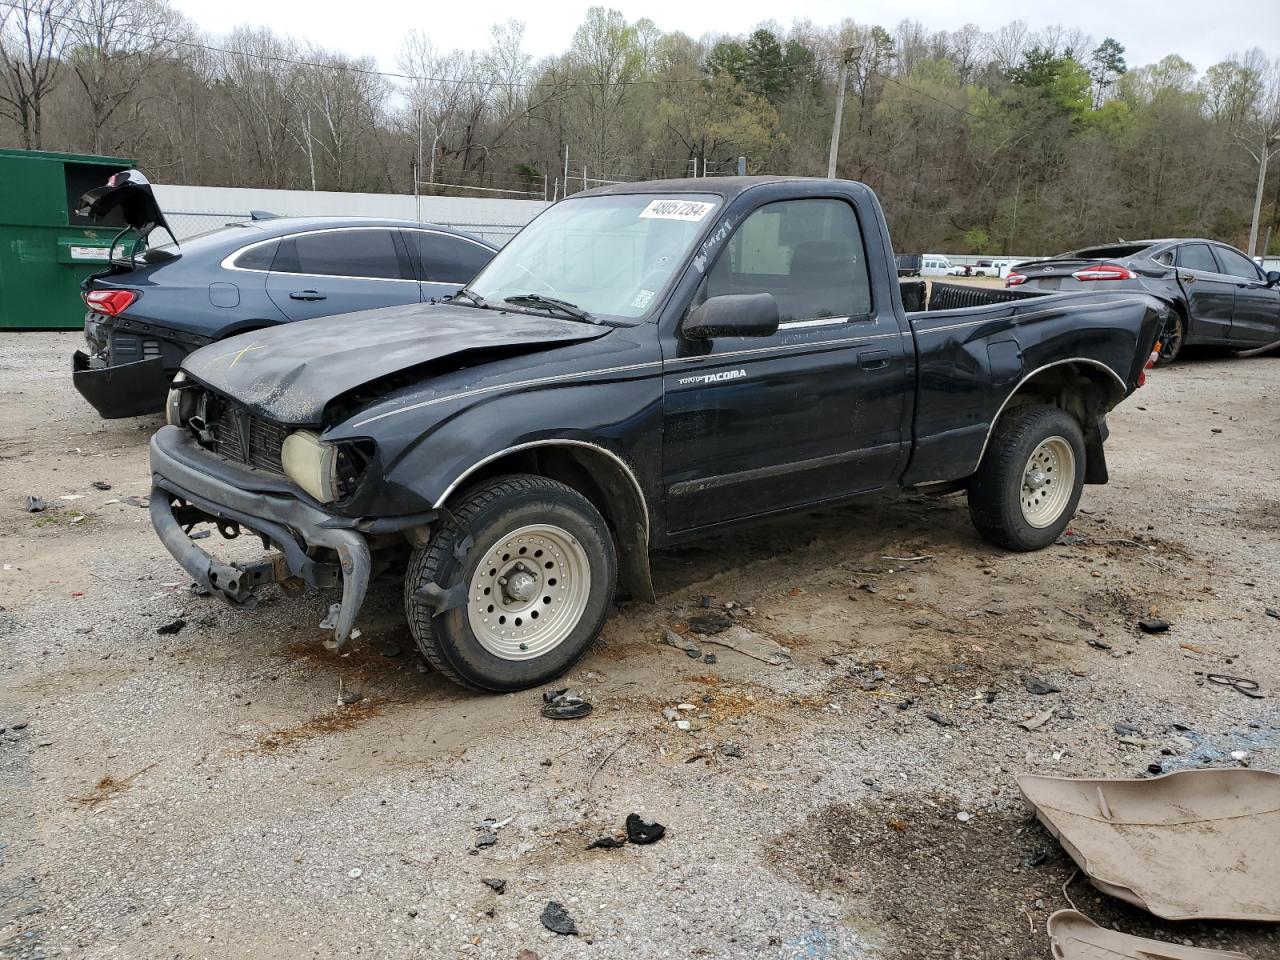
312, 464
175, 412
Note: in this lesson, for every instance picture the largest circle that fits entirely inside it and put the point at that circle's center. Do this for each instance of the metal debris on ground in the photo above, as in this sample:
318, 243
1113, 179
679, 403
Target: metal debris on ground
101, 485
1074, 936
34, 504
641, 831
712, 623
556, 919
1245, 685
172, 627
1153, 625
752, 644
1192, 845
564, 705
494, 884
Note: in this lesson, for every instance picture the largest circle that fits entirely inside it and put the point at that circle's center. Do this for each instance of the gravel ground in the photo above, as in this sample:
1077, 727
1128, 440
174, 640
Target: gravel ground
205, 792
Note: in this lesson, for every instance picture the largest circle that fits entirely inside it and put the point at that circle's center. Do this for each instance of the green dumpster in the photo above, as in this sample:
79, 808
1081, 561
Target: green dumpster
45, 248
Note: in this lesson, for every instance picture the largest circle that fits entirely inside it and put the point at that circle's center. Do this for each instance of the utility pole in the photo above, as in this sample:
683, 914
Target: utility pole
849, 54
1266, 150
566, 172
417, 173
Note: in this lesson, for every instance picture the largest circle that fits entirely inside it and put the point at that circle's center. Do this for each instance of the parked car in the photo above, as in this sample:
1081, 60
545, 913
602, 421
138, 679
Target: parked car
936, 265
993, 268
150, 309
1220, 297
644, 364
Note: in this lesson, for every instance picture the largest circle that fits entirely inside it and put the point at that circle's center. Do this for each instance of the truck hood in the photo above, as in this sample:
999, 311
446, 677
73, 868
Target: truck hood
291, 372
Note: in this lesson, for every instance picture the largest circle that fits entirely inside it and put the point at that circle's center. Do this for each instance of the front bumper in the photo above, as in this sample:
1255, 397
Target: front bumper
128, 390
191, 486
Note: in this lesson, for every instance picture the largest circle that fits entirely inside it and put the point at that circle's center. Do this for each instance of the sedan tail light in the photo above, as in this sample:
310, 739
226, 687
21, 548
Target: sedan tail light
110, 302
1013, 279
1105, 271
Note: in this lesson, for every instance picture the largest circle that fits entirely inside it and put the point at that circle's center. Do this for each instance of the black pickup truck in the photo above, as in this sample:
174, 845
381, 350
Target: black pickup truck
643, 364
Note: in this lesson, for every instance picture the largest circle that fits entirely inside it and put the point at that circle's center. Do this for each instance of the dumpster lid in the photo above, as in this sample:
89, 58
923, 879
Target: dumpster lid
130, 192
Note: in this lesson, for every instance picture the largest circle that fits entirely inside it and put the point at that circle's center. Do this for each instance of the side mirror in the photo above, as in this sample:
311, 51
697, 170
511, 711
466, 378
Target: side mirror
733, 315
1273, 277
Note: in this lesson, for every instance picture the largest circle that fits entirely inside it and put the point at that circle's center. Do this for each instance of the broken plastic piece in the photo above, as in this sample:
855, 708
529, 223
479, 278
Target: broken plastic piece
1192, 845
641, 831
1073, 936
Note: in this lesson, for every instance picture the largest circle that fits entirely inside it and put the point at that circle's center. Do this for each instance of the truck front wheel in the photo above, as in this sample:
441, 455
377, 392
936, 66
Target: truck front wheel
511, 591
1028, 485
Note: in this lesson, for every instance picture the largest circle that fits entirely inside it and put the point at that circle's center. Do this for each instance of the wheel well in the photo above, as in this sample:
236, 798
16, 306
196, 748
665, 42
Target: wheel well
1081, 389
604, 481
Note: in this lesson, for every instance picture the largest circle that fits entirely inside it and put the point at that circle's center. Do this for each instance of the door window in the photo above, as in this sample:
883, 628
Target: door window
441, 258
807, 253
1197, 256
369, 254
1237, 264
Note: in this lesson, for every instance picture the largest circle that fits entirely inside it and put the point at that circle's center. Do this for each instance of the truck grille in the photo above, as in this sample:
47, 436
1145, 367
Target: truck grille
240, 435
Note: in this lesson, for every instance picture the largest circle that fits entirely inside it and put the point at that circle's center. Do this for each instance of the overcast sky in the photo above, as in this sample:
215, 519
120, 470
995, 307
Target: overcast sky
1203, 33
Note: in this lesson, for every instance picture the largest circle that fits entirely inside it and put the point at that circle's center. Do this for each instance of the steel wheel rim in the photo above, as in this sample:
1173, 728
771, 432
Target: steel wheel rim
529, 592
1047, 482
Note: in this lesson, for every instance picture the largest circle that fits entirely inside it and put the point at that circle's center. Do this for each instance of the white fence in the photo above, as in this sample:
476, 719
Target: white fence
192, 210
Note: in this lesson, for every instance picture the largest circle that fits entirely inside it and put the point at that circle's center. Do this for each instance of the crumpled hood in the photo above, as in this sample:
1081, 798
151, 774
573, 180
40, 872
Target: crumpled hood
290, 372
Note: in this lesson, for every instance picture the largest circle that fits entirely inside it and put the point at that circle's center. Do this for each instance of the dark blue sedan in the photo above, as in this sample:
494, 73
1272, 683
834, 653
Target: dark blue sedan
150, 310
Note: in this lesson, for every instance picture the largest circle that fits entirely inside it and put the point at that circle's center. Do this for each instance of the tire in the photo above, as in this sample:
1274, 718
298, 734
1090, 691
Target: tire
1173, 342
1005, 508
537, 578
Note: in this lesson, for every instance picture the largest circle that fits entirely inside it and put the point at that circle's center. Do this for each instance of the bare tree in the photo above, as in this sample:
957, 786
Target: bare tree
33, 36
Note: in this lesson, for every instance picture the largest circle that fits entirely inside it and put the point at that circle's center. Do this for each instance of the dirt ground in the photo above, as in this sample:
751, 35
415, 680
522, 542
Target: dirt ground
206, 793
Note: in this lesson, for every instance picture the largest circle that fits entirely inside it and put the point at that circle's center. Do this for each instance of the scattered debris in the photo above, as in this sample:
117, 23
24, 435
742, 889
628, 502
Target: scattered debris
494, 884
752, 644
1098, 644
101, 485
1039, 687
144, 502
1075, 937
1039, 720
34, 504
1192, 845
939, 719
964, 816
1273, 612
1126, 730
1153, 625
172, 627
351, 698
200, 534
563, 705
486, 839
709, 659
1243, 685
606, 843
355, 873
923, 556
1069, 538
731, 750
556, 919
641, 831
711, 624
690, 648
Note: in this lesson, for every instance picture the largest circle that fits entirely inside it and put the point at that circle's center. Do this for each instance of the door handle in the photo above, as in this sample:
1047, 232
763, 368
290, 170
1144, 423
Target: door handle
307, 295
873, 359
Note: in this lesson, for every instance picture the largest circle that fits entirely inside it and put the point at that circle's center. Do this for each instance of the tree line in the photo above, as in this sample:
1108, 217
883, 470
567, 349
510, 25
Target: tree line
1003, 141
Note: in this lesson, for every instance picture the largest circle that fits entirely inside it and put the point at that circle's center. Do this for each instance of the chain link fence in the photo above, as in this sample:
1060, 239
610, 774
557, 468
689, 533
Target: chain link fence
187, 224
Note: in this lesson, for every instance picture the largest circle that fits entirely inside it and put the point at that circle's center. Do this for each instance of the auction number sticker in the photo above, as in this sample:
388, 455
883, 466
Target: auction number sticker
692, 210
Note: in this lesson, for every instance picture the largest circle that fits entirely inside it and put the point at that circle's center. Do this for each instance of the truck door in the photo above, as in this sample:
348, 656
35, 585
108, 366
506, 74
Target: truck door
1255, 320
1210, 295
813, 413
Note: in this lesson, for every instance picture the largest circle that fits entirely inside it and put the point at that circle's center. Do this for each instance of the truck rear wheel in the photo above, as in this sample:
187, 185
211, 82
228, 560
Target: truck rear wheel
525, 573
1028, 485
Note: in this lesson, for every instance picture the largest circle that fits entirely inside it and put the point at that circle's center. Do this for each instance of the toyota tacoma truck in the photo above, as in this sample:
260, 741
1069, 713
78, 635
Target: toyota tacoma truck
643, 364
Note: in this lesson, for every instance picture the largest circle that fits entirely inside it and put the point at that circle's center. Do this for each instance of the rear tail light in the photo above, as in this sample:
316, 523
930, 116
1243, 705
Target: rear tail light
1151, 362
1013, 279
1105, 271
110, 302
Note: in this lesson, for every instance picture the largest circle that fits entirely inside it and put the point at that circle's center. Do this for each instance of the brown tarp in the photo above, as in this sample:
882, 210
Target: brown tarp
1073, 936
1193, 845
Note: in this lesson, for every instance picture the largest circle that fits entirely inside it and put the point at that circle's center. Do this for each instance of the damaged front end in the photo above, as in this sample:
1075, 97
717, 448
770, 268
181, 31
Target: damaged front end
191, 487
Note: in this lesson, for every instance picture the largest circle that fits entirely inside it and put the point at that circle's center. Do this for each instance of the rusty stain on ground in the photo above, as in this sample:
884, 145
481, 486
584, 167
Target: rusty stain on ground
322, 725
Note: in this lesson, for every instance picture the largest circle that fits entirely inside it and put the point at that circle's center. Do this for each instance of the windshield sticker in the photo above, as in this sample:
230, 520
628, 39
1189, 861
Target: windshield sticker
691, 210
642, 299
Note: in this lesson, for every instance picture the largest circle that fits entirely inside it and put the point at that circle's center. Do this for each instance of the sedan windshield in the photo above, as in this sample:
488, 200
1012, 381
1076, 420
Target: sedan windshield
608, 256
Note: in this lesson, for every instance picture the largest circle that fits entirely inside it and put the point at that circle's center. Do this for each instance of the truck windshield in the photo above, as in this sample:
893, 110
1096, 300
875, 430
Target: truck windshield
608, 255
